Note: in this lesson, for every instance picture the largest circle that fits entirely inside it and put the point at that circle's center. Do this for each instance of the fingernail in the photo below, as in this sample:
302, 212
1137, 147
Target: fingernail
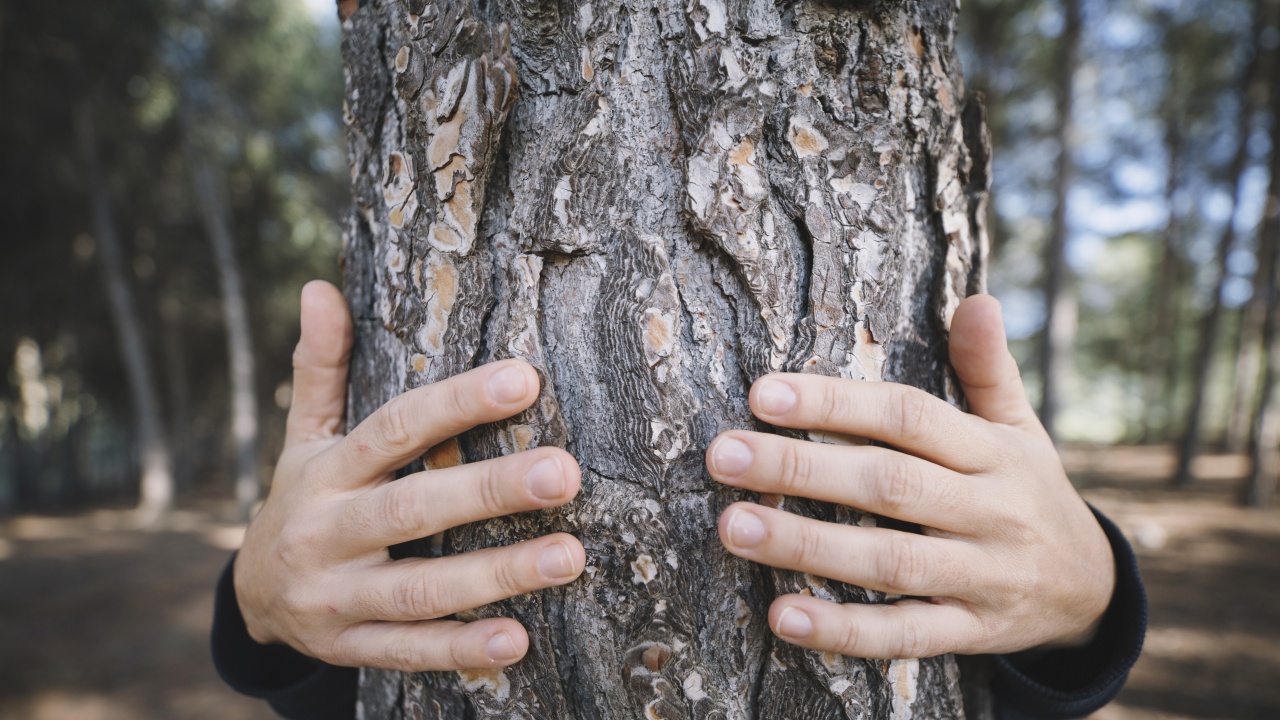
556, 562
508, 384
745, 529
730, 456
502, 648
795, 623
775, 397
546, 479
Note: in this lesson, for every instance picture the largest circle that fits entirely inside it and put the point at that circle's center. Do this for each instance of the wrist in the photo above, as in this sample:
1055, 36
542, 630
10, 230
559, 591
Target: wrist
240, 585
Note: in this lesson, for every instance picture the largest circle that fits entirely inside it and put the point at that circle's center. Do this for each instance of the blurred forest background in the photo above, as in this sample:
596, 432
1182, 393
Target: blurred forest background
180, 164
172, 172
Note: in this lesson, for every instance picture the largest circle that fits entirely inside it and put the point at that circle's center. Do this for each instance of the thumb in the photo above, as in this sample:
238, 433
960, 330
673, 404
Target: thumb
320, 365
988, 373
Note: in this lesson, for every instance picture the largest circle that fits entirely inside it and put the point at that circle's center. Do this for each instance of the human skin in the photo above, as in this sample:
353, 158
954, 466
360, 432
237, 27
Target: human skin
1009, 558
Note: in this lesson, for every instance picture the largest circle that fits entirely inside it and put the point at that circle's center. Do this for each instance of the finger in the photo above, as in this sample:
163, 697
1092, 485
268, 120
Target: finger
890, 561
988, 373
905, 417
402, 430
424, 589
875, 479
320, 364
431, 645
905, 629
429, 502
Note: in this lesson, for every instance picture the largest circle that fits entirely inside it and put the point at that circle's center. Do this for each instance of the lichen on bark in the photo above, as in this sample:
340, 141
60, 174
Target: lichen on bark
654, 203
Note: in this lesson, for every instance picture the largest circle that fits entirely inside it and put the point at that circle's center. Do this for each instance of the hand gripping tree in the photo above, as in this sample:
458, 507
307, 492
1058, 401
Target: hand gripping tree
654, 203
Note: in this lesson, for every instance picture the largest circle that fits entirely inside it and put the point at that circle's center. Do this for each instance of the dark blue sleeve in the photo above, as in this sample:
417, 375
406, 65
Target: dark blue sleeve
1073, 682
296, 686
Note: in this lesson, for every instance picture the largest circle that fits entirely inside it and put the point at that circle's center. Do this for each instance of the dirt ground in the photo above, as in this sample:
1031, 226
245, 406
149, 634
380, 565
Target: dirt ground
102, 621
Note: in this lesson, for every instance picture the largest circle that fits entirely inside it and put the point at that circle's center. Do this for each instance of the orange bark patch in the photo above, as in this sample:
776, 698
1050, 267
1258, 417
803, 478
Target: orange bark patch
445, 455
521, 437
659, 331
917, 42
655, 657
741, 154
443, 284
419, 362
806, 141
347, 8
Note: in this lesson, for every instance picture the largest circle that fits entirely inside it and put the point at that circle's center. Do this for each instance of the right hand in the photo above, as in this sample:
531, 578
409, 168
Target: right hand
314, 571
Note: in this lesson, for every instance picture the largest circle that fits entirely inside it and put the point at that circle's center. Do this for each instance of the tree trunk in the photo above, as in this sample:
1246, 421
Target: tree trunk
156, 492
1159, 382
1189, 445
1264, 425
684, 198
1244, 393
215, 215
1250, 349
178, 384
1060, 303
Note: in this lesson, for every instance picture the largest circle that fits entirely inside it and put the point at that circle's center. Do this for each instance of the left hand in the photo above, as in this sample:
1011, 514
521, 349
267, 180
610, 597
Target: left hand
1010, 557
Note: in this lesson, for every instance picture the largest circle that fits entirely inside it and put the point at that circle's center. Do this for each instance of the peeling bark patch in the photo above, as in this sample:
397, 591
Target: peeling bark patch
805, 139
644, 570
491, 682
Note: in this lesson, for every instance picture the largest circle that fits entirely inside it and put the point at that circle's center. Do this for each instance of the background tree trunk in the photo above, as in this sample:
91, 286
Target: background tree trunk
1207, 343
1161, 342
1264, 421
156, 487
216, 217
1060, 304
685, 197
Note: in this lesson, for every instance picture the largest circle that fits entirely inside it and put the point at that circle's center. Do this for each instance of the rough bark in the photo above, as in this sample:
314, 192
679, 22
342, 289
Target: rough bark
683, 198
216, 217
156, 484
1207, 343
1060, 303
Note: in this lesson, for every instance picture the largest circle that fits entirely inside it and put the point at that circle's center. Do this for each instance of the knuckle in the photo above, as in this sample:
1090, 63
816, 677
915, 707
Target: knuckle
850, 639
901, 564
913, 641
295, 543
455, 399
914, 414
394, 423
459, 654
418, 596
492, 496
297, 602
507, 580
807, 549
396, 509
834, 406
796, 468
901, 487
403, 653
